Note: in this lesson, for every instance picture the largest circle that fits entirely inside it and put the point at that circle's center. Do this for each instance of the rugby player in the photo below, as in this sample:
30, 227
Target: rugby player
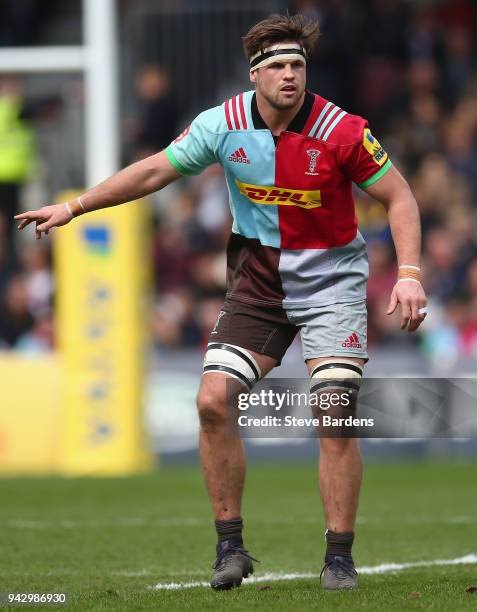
295, 262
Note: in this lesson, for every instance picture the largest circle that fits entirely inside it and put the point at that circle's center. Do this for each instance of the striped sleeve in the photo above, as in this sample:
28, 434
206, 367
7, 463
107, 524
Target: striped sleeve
194, 149
235, 113
329, 117
365, 161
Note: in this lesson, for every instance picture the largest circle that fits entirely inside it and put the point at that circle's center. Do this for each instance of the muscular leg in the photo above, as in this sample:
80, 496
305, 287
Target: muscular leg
340, 473
222, 455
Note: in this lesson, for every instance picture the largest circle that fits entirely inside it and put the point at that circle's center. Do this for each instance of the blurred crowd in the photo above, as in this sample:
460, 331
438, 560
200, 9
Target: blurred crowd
411, 70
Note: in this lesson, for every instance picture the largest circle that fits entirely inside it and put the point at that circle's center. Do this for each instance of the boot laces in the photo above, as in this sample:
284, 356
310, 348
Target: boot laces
342, 566
226, 552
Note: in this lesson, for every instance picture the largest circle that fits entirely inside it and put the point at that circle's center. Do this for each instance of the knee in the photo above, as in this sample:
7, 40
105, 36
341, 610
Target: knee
212, 411
336, 447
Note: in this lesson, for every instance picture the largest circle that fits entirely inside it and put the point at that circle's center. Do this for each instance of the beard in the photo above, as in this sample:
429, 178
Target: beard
280, 102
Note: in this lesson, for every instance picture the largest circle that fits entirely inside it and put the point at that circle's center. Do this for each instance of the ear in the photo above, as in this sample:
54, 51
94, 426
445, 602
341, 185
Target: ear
253, 76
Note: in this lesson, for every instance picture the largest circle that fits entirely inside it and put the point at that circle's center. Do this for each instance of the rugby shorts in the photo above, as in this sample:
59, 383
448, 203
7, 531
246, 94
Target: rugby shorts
326, 331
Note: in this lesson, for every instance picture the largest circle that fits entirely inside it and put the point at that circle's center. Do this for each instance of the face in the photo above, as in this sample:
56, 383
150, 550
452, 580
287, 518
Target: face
282, 83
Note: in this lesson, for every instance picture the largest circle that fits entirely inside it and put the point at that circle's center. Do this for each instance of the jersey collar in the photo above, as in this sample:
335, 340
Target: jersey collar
298, 122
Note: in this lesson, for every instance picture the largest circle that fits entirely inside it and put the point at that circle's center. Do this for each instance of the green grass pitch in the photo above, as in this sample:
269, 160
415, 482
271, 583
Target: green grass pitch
106, 542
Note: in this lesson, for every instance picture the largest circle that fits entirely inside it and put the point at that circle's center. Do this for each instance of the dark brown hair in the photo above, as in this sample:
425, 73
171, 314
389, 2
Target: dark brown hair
278, 28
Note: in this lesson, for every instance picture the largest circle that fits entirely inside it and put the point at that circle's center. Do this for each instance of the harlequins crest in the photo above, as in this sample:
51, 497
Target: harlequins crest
313, 155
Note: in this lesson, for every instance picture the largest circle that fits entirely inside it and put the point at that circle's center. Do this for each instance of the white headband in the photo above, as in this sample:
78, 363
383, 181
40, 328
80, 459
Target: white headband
280, 52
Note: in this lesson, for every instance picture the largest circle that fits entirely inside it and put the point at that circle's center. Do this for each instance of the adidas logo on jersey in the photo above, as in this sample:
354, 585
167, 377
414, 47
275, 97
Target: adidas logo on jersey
239, 157
352, 341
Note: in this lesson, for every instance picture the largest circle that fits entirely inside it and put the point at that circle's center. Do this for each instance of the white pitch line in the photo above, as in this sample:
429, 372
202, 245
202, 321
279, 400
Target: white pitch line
126, 522
167, 523
365, 570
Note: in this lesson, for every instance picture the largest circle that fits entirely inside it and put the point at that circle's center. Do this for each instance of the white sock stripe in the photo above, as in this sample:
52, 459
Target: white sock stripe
333, 125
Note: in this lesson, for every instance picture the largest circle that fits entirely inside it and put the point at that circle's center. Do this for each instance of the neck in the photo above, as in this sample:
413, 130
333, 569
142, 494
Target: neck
277, 120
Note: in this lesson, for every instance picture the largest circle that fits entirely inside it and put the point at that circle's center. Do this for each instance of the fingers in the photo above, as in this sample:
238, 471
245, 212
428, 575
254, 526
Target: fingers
23, 224
43, 227
405, 314
392, 303
34, 215
411, 318
27, 217
411, 298
417, 318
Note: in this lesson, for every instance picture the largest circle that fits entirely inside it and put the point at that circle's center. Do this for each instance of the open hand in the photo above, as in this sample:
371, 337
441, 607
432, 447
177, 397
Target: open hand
45, 218
411, 296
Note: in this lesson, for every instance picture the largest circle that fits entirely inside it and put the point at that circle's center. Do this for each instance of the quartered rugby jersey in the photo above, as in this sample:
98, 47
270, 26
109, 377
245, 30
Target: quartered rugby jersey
295, 240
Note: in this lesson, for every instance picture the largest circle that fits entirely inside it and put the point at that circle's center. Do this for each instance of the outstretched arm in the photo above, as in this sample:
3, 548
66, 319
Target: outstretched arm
133, 182
393, 191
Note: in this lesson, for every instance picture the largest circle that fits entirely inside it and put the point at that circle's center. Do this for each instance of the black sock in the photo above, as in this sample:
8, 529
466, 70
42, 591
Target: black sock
339, 543
229, 530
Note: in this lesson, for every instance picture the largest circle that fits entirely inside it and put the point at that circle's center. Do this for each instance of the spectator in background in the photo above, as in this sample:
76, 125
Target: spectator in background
17, 154
460, 139
422, 34
39, 339
459, 62
38, 278
157, 120
213, 212
15, 316
436, 186
443, 270
4, 264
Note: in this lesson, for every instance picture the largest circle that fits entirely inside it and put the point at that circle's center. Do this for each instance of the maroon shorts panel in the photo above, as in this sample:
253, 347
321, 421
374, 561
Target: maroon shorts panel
266, 331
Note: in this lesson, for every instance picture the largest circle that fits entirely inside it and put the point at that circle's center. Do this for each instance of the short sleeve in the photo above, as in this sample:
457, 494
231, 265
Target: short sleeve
193, 150
365, 161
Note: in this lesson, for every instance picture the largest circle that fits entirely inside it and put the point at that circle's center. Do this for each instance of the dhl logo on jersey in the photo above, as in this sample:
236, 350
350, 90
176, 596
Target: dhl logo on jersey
260, 194
374, 148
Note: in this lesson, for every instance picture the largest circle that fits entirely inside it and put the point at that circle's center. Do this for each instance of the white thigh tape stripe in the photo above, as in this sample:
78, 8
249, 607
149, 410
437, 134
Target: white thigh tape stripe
332, 369
339, 384
234, 357
340, 359
220, 369
244, 354
336, 373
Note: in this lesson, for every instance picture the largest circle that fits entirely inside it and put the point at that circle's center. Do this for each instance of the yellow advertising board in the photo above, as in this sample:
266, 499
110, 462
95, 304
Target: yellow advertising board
101, 264
30, 413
